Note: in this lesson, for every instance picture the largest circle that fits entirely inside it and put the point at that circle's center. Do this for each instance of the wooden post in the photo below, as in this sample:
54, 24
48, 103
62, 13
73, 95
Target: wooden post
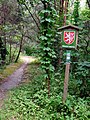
66, 82
48, 87
66, 77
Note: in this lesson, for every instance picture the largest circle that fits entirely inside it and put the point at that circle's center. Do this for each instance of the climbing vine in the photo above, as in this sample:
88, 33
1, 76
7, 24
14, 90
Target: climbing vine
47, 52
76, 12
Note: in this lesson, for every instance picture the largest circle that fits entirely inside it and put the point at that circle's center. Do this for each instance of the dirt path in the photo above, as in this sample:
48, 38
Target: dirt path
14, 79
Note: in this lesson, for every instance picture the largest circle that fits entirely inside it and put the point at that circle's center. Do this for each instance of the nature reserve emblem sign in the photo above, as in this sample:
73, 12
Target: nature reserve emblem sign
69, 39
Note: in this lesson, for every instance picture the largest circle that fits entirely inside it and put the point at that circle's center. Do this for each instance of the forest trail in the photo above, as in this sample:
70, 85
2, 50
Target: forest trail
14, 79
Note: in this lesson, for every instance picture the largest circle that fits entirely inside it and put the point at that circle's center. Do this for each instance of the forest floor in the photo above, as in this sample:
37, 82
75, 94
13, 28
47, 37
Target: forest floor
14, 80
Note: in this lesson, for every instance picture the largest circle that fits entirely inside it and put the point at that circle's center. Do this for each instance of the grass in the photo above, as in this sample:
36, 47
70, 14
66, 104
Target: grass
8, 70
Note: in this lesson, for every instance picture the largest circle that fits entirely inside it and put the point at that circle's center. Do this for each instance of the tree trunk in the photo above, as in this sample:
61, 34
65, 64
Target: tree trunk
45, 24
65, 10
10, 51
20, 48
61, 23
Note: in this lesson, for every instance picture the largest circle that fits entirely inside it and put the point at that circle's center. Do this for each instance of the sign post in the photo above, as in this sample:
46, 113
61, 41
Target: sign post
69, 41
66, 80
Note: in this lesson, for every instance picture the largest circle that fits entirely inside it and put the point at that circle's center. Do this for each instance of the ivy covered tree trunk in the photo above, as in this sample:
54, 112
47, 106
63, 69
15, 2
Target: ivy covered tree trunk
46, 41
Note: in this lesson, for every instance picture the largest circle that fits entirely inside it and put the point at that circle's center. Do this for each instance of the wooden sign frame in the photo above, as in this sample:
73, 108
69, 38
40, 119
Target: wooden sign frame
68, 29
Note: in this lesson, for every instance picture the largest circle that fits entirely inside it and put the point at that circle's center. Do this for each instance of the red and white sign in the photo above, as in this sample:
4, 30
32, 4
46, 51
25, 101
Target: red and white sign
69, 37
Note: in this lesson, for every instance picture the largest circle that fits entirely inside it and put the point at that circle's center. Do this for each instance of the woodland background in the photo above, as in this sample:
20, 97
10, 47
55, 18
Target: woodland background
31, 27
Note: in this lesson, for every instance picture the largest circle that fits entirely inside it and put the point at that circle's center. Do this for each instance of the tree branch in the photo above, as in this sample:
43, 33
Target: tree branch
32, 16
29, 13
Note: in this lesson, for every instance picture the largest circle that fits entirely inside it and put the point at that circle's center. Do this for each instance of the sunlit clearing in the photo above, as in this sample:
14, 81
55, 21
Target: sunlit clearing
27, 59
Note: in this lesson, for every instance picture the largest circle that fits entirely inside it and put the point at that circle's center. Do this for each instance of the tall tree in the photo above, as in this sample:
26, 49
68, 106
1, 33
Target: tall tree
47, 53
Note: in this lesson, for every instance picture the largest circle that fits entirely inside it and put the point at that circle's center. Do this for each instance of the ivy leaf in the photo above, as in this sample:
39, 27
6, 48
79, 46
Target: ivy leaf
21, 1
45, 11
43, 38
48, 35
46, 49
49, 20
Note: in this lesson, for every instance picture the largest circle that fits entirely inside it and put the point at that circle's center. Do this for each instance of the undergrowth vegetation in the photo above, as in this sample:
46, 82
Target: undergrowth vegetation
30, 101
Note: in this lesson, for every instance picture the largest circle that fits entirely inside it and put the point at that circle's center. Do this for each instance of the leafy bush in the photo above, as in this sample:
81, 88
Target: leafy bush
80, 79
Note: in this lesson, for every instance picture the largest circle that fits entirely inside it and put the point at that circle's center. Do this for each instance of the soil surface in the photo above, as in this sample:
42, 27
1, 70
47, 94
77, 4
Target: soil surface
14, 79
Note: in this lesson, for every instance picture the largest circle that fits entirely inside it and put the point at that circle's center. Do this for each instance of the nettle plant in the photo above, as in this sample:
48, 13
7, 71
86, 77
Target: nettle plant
47, 52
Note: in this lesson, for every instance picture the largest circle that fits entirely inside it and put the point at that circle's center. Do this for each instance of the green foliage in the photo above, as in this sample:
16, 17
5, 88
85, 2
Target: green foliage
47, 52
85, 14
83, 78
80, 79
80, 67
30, 50
21, 1
76, 12
31, 102
10, 30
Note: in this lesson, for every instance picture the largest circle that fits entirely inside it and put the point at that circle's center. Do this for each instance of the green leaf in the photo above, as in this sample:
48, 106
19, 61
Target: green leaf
45, 11
47, 48
49, 20
43, 38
